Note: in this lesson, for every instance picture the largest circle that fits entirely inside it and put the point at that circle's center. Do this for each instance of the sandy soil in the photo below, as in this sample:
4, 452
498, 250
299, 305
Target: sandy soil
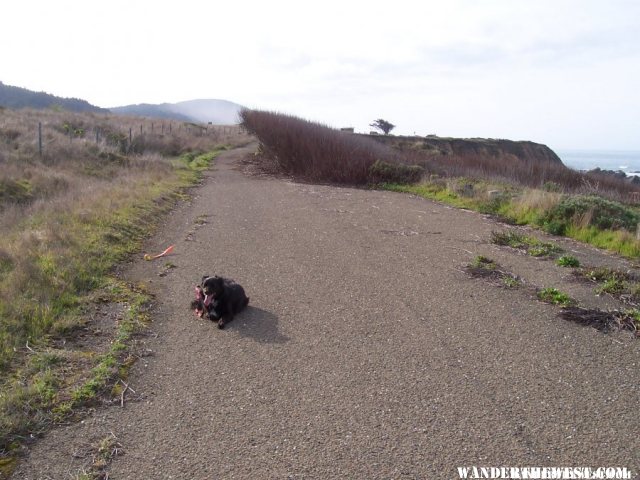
366, 352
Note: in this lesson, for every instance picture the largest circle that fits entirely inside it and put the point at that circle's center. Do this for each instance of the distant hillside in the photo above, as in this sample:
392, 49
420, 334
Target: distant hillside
17, 97
480, 147
150, 110
218, 112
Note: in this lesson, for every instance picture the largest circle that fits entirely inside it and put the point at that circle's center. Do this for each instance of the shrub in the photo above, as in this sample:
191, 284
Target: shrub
381, 172
15, 191
552, 187
590, 210
316, 152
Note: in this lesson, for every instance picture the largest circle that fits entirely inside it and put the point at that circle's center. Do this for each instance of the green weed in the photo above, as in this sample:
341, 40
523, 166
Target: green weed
568, 261
614, 286
530, 245
483, 262
555, 297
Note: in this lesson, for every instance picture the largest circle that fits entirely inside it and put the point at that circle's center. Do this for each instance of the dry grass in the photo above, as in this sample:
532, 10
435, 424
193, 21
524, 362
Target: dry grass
67, 218
86, 190
315, 152
537, 175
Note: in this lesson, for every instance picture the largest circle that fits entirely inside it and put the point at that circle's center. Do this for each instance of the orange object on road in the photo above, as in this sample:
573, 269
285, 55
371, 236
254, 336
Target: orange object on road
150, 257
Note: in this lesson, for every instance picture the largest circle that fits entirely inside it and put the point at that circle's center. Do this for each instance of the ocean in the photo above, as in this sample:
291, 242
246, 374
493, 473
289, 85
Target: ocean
626, 160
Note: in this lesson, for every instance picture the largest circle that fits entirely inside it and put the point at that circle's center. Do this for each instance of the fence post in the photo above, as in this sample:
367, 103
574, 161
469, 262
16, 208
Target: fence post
130, 137
140, 129
97, 135
40, 138
151, 128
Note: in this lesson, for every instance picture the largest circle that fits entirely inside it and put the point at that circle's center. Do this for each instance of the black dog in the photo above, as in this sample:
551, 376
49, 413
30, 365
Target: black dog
223, 298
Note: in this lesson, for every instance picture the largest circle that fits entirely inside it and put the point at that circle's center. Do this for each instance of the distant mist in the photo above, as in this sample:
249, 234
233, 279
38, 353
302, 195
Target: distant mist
217, 112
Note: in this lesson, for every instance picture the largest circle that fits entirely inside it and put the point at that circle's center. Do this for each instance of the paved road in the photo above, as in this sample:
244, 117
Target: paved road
366, 352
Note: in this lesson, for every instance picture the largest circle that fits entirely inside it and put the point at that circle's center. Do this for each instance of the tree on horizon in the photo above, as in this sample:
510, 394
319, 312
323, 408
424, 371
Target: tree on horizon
383, 125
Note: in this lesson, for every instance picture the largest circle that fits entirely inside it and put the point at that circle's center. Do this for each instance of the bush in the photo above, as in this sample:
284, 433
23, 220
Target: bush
381, 172
15, 191
590, 210
316, 152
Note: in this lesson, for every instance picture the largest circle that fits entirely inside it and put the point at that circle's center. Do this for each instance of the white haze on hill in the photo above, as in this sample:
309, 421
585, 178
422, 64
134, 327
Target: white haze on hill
560, 72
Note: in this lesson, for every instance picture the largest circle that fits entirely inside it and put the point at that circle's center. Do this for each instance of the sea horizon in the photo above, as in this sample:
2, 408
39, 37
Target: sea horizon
627, 161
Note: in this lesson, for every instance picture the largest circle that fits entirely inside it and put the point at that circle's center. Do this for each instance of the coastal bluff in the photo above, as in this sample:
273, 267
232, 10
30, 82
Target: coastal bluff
482, 147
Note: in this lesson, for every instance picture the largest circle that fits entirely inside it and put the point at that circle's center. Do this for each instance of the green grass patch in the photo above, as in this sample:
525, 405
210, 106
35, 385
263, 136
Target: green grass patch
483, 262
588, 218
433, 191
555, 297
621, 284
528, 244
613, 286
57, 263
619, 241
568, 261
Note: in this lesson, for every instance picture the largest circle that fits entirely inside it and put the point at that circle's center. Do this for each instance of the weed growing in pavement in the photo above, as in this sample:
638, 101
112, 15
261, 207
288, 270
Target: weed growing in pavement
555, 297
484, 267
624, 285
568, 261
530, 245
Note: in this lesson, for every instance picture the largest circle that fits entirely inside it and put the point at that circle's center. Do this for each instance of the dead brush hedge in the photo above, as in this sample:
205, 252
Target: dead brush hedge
315, 152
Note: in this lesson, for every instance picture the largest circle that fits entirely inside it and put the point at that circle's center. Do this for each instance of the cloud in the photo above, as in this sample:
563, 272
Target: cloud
542, 69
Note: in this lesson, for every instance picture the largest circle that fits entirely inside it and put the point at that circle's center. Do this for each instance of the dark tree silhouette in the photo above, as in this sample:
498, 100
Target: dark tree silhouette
383, 125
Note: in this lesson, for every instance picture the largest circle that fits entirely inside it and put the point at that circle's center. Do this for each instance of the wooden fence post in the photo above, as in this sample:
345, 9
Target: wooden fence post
40, 138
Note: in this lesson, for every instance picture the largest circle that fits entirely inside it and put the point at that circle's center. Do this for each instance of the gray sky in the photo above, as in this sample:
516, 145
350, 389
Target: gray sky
561, 72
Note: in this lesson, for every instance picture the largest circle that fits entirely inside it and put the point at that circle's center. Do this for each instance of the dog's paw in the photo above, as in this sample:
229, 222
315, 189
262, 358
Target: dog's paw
220, 324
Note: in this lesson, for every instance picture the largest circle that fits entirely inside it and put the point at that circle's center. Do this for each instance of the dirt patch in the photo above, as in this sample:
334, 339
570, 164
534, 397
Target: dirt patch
605, 322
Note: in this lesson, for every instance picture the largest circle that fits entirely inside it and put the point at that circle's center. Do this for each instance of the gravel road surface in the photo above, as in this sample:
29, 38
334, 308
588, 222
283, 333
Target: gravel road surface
366, 351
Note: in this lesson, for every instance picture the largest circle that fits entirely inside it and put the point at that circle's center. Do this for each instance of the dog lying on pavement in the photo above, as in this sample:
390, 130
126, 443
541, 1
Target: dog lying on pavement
220, 299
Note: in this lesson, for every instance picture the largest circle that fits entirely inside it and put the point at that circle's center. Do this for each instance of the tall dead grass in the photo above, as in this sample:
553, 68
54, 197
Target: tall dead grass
70, 211
316, 152
533, 174
313, 151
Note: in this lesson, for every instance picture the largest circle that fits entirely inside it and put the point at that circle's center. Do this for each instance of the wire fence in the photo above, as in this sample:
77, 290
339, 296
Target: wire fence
126, 138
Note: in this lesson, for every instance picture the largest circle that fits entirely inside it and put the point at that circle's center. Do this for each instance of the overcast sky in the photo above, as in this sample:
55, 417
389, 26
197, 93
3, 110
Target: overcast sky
561, 72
